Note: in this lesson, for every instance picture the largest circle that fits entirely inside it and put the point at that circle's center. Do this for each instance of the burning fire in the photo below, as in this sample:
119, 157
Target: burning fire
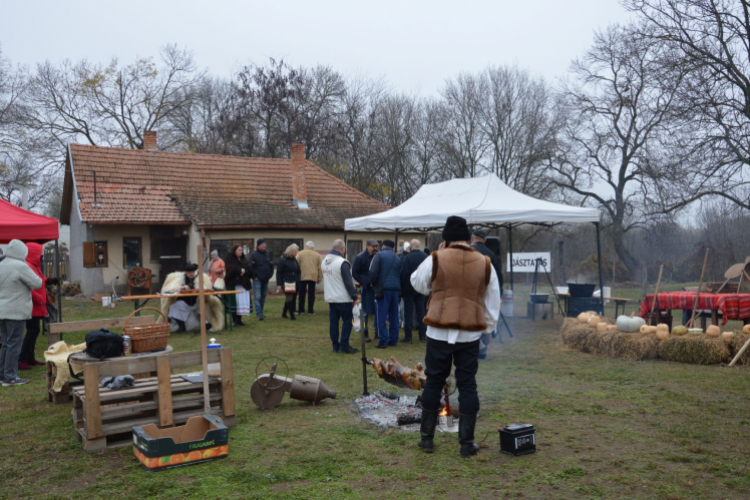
443, 412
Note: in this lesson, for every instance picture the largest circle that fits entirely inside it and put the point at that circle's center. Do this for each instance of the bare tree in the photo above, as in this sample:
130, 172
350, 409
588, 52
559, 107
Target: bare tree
620, 102
109, 104
520, 120
710, 39
464, 142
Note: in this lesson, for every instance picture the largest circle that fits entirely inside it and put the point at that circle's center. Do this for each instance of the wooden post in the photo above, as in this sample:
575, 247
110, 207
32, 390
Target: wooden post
653, 304
164, 378
93, 409
691, 324
204, 349
227, 382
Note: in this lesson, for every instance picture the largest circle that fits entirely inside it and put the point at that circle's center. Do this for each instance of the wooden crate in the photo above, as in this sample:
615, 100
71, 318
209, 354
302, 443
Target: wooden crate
65, 395
104, 418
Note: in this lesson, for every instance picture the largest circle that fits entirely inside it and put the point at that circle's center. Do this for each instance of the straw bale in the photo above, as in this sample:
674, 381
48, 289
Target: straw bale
574, 334
634, 346
694, 348
734, 347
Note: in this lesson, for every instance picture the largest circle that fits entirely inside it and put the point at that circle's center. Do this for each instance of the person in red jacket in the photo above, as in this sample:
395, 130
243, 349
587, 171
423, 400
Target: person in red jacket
26, 360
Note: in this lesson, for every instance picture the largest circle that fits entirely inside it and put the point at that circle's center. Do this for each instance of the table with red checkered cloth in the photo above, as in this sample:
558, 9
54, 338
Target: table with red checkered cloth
732, 305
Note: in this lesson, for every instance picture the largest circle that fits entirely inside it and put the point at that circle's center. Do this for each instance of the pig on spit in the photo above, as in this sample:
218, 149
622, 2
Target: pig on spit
396, 374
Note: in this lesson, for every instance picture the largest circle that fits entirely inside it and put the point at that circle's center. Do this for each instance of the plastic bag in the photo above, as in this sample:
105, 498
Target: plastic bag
356, 320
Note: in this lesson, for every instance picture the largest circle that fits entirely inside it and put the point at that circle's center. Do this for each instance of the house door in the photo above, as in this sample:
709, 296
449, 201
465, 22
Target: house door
172, 255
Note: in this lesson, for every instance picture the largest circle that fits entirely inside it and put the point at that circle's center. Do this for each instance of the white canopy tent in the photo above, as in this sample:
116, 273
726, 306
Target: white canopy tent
484, 202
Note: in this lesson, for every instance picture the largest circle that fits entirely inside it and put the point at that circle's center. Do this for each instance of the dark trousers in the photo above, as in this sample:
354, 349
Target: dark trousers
289, 301
33, 327
306, 288
11, 335
412, 303
341, 311
465, 357
387, 307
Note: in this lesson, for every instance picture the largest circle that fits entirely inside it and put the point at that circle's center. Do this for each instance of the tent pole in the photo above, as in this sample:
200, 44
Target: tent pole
59, 285
346, 245
599, 258
510, 254
396, 241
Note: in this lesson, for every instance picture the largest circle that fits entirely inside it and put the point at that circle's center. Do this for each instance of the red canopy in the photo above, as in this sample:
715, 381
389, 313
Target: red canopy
19, 224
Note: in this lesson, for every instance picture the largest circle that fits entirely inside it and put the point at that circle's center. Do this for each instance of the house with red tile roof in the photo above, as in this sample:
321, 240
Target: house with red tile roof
151, 209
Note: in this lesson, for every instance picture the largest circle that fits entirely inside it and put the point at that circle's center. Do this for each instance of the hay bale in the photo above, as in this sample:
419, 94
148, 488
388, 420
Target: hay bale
574, 334
634, 346
694, 348
600, 343
734, 347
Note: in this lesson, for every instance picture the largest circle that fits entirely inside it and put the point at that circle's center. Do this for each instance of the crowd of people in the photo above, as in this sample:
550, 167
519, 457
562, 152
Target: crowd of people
23, 306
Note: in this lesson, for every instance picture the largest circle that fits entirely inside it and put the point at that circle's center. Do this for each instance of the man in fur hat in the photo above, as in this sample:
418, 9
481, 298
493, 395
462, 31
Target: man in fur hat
183, 312
465, 303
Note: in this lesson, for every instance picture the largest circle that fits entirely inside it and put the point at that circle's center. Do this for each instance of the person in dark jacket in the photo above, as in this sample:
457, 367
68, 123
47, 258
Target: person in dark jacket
478, 239
262, 271
238, 277
288, 275
385, 272
361, 274
412, 299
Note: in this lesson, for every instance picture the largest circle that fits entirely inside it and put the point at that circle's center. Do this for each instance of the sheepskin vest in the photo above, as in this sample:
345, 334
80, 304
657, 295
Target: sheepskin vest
460, 276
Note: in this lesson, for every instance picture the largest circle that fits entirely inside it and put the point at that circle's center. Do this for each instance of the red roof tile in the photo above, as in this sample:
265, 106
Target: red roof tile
153, 187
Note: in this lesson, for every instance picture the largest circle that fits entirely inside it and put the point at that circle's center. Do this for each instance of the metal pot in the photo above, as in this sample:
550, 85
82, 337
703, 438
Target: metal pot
583, 290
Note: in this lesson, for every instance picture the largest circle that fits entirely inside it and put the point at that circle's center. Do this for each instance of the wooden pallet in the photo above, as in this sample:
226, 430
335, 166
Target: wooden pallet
104, 418
65, 395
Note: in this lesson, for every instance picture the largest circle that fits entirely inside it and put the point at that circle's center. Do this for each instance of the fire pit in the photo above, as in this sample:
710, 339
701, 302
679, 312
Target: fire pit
393, 411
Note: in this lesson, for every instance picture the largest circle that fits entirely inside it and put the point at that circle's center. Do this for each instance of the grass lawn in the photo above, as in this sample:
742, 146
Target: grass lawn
606, 428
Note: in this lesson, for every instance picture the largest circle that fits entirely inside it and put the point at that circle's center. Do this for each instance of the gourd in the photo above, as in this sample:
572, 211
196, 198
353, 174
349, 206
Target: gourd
602, 327
611, 328
727, 337
662, 331
713, 331
746, 329
629, 324
584, 317
647, 330
679, 330
594, 320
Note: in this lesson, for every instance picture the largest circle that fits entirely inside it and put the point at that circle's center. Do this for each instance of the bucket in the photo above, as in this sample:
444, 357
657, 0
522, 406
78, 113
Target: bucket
507, 303
106, 301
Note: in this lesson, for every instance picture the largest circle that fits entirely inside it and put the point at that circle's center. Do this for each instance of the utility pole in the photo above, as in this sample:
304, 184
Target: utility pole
24, 194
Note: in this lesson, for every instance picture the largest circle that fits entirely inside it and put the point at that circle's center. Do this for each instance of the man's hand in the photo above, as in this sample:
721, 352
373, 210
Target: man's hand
242, 271
278, 290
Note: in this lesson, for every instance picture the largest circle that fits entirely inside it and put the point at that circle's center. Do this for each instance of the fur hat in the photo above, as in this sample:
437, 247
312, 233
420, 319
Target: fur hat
456, 229
189, 267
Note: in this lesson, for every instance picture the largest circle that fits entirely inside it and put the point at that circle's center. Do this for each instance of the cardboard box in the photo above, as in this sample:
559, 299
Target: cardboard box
203, 438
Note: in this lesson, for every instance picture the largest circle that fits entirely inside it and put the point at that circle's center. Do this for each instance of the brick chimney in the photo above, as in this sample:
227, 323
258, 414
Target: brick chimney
299, 186
149, 140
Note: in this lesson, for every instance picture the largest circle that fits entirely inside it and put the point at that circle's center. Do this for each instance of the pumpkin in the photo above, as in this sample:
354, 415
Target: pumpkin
727, 337
662, 331
601, 327
713, 331
584, 317
746, 329
629, 324
594, 320
679, 330
647, 330
611, 328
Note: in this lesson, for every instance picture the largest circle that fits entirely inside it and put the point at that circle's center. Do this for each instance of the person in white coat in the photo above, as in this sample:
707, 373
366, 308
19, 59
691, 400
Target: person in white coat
340, 295
465, 303
17, 280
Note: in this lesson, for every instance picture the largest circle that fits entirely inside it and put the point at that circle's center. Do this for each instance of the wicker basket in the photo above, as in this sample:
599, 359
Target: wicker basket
147, 338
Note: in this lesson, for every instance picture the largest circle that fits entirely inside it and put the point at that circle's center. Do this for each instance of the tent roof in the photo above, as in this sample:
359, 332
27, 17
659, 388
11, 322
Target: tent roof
484, 201
19, 224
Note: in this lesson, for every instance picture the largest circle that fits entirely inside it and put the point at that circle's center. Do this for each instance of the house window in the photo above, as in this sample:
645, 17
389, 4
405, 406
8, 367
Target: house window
131, 251
277, 246
95, 254
223, 246
353, 248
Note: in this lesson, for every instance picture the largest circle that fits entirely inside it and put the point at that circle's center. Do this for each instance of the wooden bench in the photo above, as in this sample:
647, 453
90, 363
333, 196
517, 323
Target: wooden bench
104, 418
65, 395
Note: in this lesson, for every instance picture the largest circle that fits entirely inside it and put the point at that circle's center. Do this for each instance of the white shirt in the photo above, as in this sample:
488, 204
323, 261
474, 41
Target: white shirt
421, 280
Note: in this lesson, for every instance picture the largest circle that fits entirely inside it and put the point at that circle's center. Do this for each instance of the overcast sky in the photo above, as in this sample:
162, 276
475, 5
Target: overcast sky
414, 45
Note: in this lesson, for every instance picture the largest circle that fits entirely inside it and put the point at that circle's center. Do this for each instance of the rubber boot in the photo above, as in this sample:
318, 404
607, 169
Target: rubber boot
291, 312
427, 430
286, 307
466, 425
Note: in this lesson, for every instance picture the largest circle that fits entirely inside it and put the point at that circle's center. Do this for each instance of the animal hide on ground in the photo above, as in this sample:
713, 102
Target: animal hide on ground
214, 307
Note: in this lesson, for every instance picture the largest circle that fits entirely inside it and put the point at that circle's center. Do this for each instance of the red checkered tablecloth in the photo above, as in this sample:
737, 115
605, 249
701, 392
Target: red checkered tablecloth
732, 305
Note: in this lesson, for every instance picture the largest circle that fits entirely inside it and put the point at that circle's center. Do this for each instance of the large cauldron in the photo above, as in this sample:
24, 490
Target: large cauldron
583, 290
